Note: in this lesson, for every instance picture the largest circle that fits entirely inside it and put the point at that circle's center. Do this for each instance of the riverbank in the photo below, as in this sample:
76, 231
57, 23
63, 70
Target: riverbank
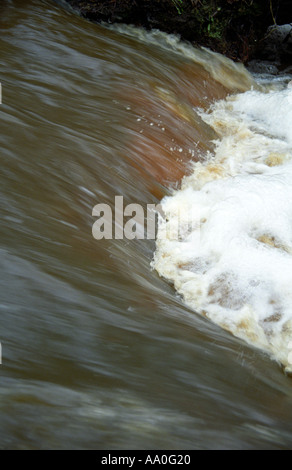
234, 28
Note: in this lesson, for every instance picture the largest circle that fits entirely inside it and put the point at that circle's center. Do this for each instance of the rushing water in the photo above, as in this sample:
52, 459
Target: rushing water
231, 258
98, 351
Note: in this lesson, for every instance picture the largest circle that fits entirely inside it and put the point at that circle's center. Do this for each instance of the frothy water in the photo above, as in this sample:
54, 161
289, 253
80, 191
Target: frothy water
98, 352
232, 261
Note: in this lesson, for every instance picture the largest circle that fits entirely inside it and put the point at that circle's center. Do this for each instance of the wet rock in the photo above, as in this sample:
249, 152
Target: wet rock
264, 67
277, 45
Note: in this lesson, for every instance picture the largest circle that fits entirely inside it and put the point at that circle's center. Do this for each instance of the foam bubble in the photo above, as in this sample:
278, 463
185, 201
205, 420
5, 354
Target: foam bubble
232, 257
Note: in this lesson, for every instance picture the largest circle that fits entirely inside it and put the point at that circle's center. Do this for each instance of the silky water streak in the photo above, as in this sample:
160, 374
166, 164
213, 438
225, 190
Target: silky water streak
233, 263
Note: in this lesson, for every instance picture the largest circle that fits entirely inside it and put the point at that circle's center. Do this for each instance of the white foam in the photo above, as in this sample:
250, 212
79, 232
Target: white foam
232, 259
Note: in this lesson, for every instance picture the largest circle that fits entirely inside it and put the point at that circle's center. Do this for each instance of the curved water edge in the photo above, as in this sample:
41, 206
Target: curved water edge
225, 241
97, 350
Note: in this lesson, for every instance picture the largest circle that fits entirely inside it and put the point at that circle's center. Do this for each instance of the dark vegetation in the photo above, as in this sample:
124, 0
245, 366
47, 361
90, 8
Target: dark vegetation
235, 28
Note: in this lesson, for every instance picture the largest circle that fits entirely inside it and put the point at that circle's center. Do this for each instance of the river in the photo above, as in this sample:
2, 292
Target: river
97, 350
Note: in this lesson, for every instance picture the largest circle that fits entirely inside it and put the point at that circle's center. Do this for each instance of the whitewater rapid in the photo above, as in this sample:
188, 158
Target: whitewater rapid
225, 240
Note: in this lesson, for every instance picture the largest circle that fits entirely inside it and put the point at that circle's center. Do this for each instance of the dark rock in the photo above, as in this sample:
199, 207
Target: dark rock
277, 45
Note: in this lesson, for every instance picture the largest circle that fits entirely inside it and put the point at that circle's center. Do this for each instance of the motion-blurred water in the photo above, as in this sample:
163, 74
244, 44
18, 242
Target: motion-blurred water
98, 352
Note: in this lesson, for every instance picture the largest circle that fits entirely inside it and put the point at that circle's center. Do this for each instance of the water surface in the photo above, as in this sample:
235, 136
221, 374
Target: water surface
98, 351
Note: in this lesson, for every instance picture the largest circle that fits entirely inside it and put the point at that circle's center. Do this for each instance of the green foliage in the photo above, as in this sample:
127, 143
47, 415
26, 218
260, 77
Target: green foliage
178, 5
215, 26
208, 14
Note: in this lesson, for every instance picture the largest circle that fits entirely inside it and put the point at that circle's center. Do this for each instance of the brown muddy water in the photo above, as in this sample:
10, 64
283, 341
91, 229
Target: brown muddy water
98, 352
